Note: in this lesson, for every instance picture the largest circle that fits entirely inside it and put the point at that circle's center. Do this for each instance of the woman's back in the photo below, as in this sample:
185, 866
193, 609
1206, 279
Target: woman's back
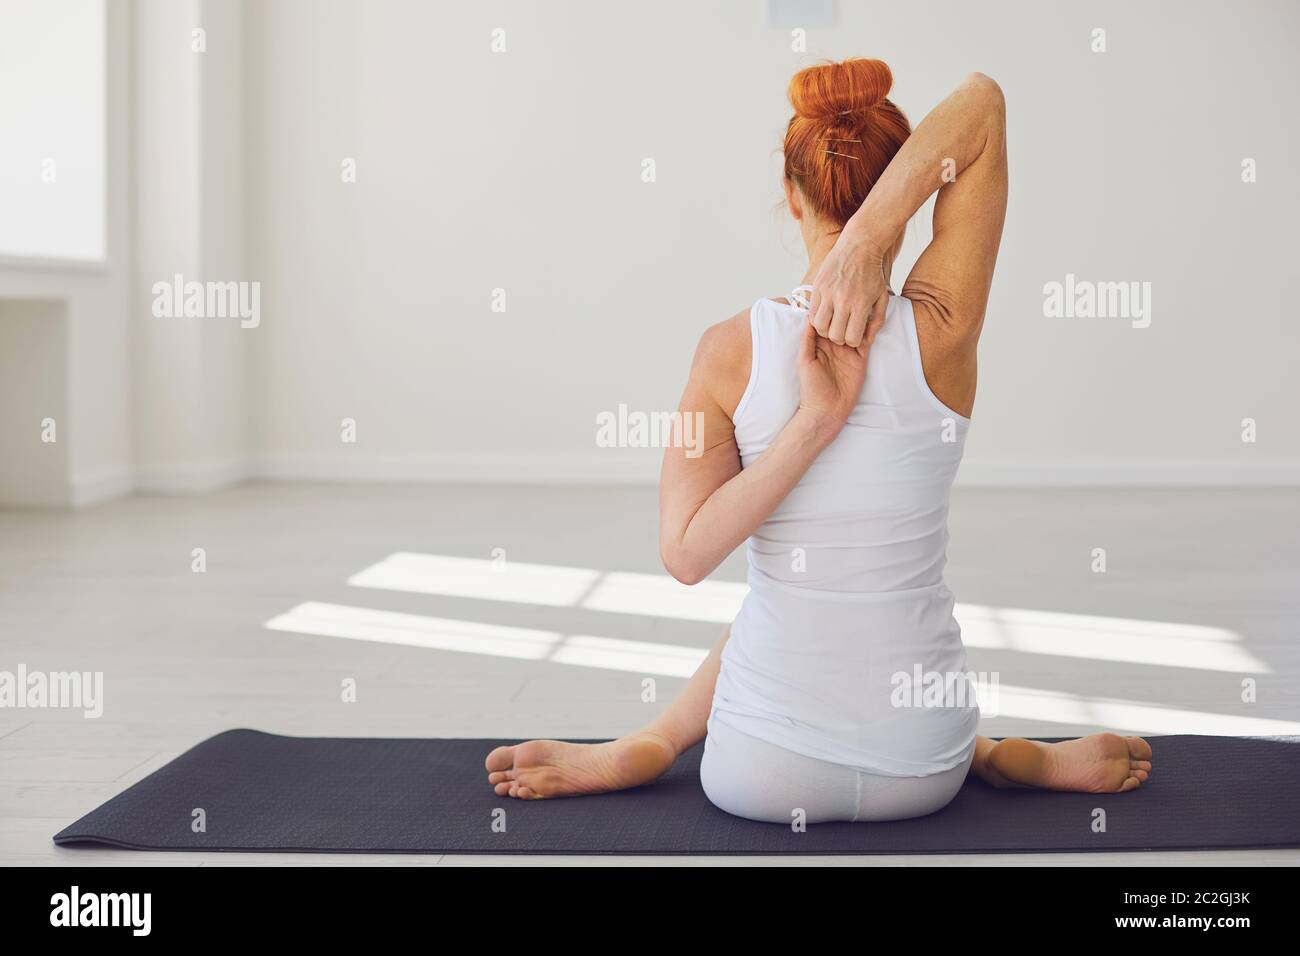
848, 619
870, 515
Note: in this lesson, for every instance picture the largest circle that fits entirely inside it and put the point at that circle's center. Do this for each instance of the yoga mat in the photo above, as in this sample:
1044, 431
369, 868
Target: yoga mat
260, 791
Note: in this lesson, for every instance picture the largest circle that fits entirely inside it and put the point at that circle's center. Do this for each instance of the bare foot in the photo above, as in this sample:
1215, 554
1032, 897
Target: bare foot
540, 769
1102, 763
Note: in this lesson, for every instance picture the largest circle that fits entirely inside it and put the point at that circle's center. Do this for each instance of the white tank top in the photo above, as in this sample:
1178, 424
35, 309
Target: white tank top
848, 621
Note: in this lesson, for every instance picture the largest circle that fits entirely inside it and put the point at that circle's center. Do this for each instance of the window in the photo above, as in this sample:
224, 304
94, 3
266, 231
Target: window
52, 102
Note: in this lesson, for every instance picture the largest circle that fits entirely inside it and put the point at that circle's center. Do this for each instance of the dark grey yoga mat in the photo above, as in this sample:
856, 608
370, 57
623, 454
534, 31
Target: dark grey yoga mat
317, 794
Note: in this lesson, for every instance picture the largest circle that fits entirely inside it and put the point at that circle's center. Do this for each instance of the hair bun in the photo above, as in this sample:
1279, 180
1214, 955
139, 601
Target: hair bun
828, 91
843, 135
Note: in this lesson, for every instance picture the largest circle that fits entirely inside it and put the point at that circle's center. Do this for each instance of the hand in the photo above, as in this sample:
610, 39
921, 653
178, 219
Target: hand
830, 380
850, 292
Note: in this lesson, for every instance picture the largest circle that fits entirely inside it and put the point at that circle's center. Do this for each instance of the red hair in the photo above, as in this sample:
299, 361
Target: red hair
843, 134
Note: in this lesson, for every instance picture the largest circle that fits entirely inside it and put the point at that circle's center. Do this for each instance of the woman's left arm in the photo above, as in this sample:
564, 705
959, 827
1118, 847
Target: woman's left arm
708, 505
959, 151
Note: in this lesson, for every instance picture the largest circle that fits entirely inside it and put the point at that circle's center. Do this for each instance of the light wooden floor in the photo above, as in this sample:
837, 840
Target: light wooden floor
187, 655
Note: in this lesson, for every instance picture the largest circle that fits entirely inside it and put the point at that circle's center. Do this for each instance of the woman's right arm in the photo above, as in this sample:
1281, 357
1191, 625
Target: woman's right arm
708, 505
959, 150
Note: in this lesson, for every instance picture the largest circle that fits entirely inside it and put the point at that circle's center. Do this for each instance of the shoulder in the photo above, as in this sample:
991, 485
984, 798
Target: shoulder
725, 344
722, 360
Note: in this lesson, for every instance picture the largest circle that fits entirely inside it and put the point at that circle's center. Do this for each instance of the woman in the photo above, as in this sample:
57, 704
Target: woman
837, 468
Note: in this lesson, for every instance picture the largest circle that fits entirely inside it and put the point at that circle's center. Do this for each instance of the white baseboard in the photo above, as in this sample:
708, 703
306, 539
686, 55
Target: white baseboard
597, 469
191, 479
81, 492
1132, 474
612, 470
87, 490
493, 469
94, 489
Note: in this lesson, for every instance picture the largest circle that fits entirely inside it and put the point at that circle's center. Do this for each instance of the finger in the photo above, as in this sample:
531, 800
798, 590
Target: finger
839, 324
878, 311
808, 347
856, 328
850, 355
822, 318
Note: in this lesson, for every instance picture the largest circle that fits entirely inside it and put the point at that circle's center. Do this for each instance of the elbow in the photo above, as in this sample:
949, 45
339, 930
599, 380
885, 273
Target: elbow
683, 567
986, 85
991, 93
690, 578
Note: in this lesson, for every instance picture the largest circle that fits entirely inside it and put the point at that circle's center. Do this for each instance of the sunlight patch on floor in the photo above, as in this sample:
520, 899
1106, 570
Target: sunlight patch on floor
1082, 636
675, 660
498, 580
1030, 703
497, 640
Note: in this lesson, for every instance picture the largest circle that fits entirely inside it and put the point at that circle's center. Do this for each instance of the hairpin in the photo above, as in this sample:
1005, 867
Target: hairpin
833, 153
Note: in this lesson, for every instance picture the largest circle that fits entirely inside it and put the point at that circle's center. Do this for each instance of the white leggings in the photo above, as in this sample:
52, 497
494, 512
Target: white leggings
751, 778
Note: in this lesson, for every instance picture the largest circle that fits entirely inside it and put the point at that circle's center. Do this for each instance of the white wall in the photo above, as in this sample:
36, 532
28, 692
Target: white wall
33, 401
521, 170
139, 402
190, 424
92, 332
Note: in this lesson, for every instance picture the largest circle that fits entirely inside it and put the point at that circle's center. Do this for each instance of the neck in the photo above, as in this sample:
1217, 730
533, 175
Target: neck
819, 245
819, 241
